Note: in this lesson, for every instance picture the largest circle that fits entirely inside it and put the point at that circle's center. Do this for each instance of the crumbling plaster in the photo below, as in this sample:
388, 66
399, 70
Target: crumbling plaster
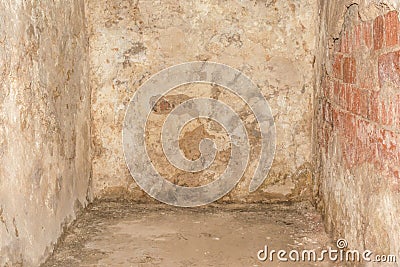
272, 42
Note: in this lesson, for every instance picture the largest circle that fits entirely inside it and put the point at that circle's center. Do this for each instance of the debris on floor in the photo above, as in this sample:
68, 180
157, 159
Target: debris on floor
128, 234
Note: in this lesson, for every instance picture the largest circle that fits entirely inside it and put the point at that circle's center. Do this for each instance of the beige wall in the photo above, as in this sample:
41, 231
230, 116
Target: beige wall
46, 107
44, 125
272, 42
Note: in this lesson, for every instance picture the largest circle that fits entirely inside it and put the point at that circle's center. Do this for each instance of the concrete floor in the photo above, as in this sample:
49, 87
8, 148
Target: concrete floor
126, 234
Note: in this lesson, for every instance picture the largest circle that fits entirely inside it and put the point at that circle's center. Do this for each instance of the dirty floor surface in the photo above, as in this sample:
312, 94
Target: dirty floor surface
126, 234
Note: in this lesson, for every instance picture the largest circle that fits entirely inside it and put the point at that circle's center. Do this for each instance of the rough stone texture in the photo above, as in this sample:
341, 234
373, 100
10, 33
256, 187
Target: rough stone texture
272, 42
44, 125
357, 125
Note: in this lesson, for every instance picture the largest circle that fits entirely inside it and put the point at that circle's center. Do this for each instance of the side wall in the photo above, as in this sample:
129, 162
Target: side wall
44, 125
357, 123
272, 42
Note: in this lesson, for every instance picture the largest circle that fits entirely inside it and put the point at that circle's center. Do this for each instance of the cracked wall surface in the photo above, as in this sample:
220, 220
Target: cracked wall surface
357, 123
48, 114
44, 125
272, 42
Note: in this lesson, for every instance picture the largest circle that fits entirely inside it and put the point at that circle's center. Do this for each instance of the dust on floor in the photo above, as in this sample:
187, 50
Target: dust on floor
128, 234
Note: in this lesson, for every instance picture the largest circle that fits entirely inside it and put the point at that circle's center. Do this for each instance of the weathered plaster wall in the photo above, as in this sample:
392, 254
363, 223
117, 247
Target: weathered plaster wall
44, 125
357, 123
272, 42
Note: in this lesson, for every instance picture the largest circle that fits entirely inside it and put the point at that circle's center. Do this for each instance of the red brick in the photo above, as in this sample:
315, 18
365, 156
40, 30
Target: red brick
358, 143
373, 141
357, 37
349, 70
366, 30
337, 66
358, 101
389, 69
345, 43
348, 99
335, 117
373, 106
383, 113
336, 91
378, 33
387, 146
366, 79
342, 95
351, 128
363, 105
355, 99
387, 112
392, 28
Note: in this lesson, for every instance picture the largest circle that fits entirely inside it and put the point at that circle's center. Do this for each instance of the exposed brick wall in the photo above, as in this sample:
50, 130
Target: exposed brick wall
362, 101
357, 132
366, 116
